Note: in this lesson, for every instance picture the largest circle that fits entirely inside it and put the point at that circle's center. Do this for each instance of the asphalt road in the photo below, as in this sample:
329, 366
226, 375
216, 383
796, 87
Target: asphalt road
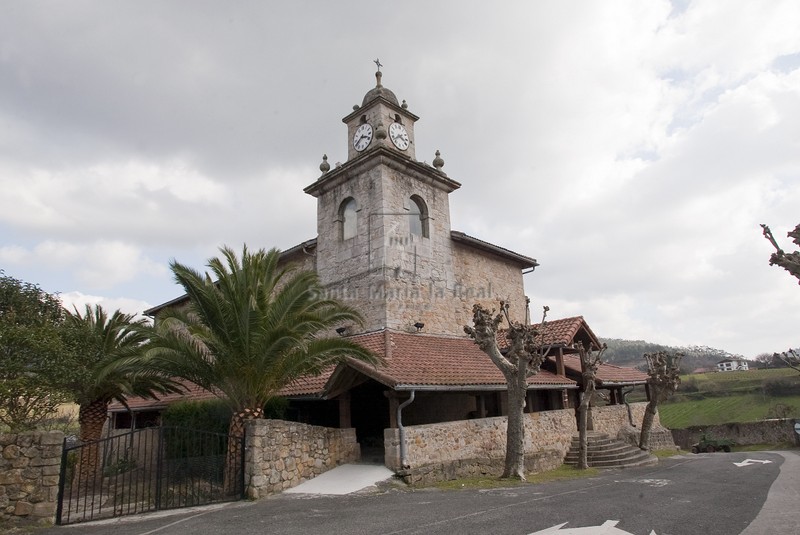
692, 494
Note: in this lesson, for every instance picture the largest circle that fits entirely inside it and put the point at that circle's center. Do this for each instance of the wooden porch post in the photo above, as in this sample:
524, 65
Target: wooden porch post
393, 404
345, 420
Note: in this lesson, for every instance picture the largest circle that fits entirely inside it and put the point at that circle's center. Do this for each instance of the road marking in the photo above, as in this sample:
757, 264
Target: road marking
651, 482
607, 528
748, 462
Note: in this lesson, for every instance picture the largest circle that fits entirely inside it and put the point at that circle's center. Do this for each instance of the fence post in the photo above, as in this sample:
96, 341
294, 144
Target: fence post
159, 466
242, 462
62, 482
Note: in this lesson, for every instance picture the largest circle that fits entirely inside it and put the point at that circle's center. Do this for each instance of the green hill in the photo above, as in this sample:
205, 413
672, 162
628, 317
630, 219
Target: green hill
727, 397
630, 353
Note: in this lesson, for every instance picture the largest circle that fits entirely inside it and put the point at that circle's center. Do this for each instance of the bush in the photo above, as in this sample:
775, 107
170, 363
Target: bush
275, 409
213, 415
781, 387
689, 385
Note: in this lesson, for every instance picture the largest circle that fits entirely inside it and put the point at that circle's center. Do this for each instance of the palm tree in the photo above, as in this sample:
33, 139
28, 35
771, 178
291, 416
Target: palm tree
108, 365
251, 327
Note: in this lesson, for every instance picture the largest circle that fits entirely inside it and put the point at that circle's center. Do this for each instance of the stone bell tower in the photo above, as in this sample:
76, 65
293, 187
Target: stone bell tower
383, 221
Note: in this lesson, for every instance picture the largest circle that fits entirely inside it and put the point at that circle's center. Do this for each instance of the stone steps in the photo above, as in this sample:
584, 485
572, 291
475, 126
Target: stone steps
606, 452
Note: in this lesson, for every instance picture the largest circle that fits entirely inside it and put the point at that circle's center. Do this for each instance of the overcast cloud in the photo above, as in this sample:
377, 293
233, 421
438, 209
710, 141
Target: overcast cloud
631, 147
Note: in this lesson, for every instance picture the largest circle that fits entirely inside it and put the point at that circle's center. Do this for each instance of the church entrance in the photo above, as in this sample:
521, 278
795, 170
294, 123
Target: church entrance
370, 416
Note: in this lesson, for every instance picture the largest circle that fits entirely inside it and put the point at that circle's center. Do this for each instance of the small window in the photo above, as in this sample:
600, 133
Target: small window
418, 218
348, 218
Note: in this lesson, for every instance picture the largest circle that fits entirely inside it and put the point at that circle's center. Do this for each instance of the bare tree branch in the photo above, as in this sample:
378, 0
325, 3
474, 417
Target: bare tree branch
522, 359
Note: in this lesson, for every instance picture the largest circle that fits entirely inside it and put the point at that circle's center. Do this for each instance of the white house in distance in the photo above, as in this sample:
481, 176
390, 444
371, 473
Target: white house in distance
731, 365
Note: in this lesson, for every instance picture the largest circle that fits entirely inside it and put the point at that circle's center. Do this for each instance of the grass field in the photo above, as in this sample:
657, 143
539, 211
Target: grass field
723, 409
727, 397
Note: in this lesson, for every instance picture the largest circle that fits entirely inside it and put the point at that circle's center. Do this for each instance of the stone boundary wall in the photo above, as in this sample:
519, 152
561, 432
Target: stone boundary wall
450, 450
30, 464
742, 434
613, 420
280, 454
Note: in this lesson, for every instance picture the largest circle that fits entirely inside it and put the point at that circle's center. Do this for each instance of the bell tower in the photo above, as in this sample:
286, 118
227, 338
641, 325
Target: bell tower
380, 121
383, 220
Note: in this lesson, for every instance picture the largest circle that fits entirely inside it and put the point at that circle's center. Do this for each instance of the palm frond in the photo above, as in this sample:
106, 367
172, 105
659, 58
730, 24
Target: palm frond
251, 327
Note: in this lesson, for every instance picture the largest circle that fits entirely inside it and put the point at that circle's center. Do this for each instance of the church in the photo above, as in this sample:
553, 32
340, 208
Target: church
386, 247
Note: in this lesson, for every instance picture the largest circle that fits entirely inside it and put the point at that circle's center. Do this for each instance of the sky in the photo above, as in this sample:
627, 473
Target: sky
631, 147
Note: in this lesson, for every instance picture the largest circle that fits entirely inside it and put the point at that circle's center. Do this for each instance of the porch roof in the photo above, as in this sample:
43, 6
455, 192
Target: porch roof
191, 391
607, 374
561, 333
418, 361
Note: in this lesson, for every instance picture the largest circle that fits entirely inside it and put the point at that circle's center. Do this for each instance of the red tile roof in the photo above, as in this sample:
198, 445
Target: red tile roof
607, 374
425, 361
191, 391
414, 361
562, 332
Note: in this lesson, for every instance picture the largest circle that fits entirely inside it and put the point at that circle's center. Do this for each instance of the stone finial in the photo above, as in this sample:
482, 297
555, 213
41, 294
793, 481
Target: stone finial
380, 130
404, 105
355, 107
324, 166
438, 162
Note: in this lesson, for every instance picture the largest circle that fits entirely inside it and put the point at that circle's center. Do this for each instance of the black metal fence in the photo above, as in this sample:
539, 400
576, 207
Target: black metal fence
148, 470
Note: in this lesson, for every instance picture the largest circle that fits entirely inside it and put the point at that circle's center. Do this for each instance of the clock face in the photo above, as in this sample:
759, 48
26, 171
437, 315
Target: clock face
399, 136
362, 137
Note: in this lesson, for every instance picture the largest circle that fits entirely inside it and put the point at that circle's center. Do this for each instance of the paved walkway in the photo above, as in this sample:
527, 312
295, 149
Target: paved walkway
780, 514
344, 480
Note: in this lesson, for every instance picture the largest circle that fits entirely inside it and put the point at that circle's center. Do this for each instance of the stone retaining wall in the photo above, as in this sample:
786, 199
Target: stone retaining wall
613, 420
280, 454
742, 434
29, 468
467, 448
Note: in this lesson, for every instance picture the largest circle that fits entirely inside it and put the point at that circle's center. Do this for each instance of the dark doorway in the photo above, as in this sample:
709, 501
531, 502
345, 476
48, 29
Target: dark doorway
369, 409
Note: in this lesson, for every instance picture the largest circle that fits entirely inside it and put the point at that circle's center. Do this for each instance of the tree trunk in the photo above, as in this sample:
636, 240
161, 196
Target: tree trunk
583, 441
515, 436
515, 432
647, 423
233, 459
91, 418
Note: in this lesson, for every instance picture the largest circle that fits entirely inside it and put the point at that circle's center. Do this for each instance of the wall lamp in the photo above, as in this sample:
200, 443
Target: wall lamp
419, 325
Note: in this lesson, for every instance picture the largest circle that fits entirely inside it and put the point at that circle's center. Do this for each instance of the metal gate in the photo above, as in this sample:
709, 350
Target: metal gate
148, 470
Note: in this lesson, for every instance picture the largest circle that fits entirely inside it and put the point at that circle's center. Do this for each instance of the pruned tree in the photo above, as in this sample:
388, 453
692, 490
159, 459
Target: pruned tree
520, 360
791, 358
664, 371
590, 361
788, 261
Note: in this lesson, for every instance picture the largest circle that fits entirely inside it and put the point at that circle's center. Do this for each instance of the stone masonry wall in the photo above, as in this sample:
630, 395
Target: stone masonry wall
29, 470
742, 434
613, 420
468, 448
280, 454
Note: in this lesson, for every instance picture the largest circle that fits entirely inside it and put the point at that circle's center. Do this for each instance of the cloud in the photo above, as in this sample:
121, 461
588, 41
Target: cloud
632, 148
78, 301
99, 265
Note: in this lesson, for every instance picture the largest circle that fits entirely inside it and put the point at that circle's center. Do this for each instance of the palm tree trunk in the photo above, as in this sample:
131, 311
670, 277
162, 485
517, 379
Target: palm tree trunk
233, 460
92, 418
